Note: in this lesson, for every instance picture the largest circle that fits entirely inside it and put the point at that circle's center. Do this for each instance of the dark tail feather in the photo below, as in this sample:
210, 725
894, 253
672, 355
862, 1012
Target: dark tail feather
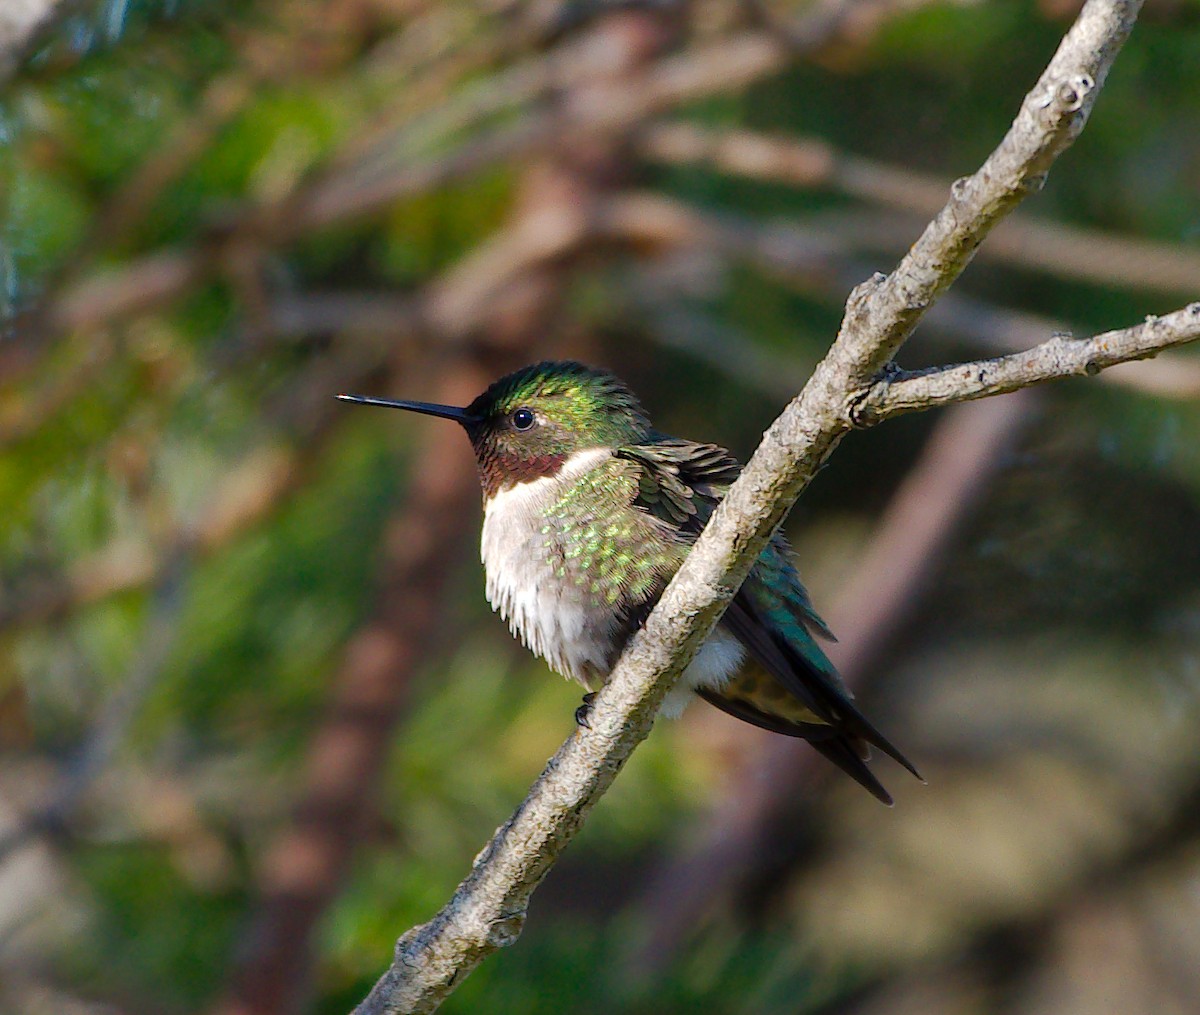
817, 690
840, 750
862, 728
844, 751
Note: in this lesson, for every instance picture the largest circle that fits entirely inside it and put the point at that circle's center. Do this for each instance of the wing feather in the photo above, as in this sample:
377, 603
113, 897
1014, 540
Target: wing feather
680, 482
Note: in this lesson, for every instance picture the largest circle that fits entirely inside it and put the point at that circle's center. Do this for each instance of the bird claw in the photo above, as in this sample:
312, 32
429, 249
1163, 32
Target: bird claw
583, 712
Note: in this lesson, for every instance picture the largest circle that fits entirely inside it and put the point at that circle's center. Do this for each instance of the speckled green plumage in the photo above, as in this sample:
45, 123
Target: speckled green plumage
791, 685
618, 556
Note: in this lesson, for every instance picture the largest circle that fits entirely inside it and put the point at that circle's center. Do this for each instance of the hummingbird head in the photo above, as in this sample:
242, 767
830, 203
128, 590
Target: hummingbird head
529, 423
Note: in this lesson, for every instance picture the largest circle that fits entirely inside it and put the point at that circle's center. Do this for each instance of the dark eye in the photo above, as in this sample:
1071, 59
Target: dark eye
523, 419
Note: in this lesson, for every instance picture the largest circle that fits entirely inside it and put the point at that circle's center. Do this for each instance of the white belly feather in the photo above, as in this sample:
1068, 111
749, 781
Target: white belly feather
548, 614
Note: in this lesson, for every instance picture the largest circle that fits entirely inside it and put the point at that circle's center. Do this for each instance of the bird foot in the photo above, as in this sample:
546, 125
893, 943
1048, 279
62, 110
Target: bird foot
583, 713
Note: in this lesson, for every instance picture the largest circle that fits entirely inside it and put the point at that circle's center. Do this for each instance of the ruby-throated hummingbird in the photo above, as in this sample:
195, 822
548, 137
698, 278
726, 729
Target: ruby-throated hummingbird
588, 513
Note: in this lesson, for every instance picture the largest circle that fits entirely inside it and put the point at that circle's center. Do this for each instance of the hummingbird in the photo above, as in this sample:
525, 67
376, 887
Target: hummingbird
589, 512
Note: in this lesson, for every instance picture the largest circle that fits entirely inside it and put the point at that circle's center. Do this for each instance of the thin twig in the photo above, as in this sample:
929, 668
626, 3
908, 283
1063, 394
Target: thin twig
814, 261
1061, 356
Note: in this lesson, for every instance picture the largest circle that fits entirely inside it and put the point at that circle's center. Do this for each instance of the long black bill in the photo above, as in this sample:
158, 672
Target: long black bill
428, 408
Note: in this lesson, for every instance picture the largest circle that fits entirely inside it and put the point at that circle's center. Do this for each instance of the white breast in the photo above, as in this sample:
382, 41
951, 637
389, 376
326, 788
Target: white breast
547, 613
542, 609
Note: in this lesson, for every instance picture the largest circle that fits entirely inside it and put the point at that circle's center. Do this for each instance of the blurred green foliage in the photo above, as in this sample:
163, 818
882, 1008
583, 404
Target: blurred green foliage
1064, 622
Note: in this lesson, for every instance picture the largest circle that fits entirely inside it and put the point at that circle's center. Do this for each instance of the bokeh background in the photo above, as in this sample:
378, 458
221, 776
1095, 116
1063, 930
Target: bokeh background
255, 715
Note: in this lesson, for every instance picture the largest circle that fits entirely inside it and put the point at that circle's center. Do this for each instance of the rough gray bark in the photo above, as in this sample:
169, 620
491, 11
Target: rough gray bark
851, 387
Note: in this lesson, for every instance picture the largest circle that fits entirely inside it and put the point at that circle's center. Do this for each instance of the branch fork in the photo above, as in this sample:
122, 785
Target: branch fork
856, 384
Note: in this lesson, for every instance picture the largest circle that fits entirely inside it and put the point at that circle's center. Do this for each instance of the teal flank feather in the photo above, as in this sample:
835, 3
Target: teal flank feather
797, 690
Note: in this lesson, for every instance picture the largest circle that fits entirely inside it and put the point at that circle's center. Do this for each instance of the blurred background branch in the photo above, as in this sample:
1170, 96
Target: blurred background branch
214, 216
305, 868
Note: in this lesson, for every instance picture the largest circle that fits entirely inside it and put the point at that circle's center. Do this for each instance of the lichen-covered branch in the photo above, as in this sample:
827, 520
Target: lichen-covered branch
488, 909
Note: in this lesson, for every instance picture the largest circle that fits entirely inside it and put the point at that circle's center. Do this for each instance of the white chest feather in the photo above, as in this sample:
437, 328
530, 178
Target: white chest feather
525, 585
528, 586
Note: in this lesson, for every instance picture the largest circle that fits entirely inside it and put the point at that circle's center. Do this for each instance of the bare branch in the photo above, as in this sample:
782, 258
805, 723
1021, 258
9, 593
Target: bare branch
1058, 357
488, 909
991, 327
1050, 118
